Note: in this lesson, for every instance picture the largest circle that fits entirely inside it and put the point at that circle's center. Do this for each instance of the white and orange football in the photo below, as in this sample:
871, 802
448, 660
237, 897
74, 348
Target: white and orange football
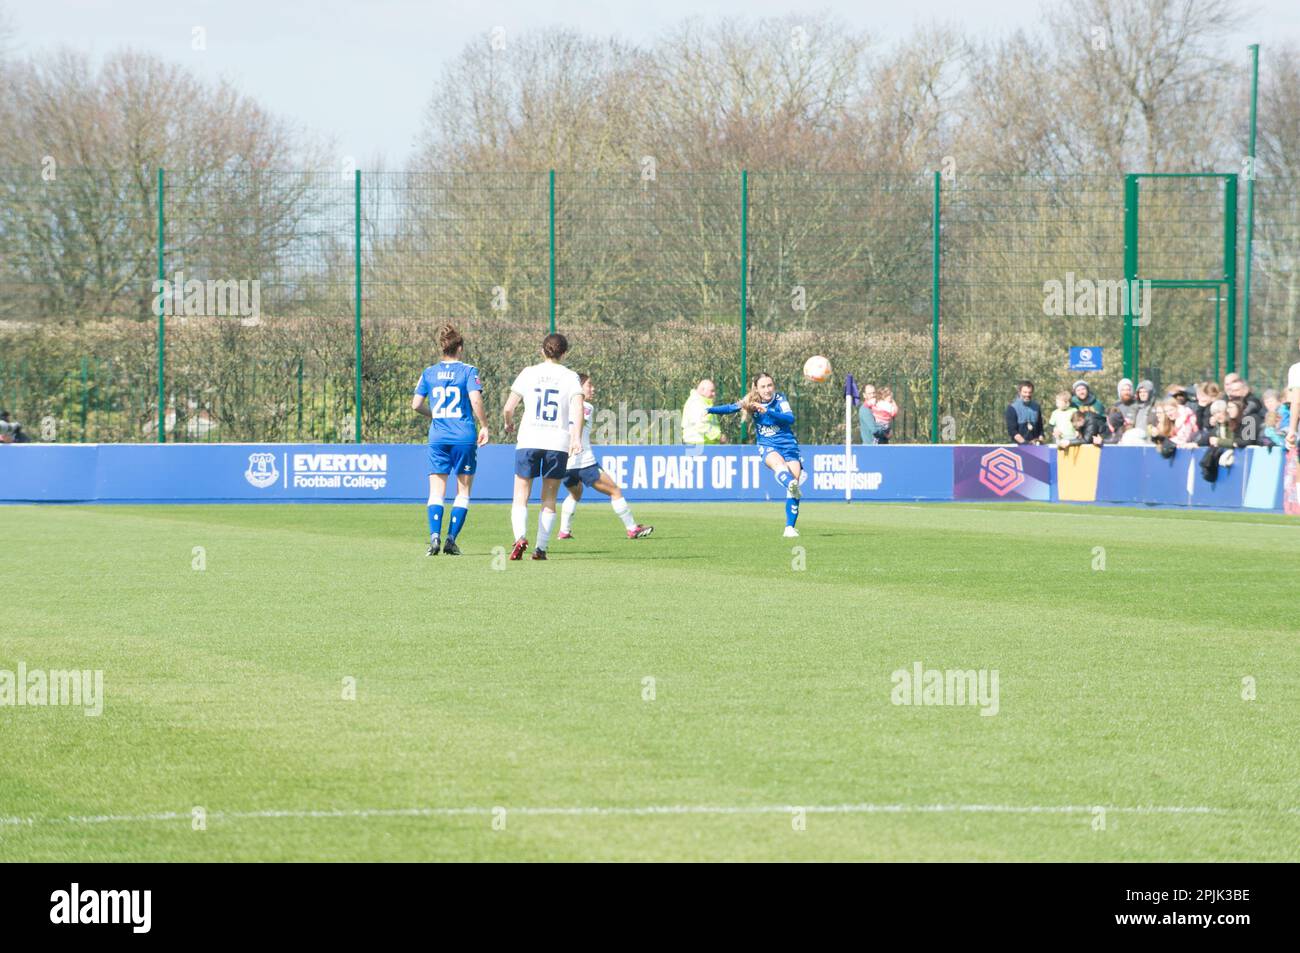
817, 369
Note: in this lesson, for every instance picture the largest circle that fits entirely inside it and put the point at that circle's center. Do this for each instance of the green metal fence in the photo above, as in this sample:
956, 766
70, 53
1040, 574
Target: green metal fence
302, 306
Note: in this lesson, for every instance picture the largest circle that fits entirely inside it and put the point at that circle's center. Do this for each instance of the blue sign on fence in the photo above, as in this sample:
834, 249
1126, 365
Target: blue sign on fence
1085, 358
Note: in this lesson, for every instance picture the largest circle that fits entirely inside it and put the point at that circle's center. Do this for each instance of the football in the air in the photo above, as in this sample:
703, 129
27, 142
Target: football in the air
817, 369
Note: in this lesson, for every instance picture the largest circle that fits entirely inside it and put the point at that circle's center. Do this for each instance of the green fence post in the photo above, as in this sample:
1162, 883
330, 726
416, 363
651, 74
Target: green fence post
84, 400
1218, 301
1130, 270
356, 268
744, 291
300, 398
1250, 214
551, 230
1230, 263
162, 322
934, 318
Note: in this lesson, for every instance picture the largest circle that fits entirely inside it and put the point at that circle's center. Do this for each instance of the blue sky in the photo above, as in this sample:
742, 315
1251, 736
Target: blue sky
361, 71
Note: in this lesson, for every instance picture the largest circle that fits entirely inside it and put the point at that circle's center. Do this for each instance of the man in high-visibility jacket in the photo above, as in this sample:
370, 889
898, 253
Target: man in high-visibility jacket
698, 425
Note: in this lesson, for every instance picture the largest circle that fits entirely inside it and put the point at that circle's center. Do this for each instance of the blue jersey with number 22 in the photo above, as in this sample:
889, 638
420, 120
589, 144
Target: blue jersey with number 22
447, 384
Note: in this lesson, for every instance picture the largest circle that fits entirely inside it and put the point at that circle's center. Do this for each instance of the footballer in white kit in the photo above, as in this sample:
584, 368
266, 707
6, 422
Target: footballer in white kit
583, 471
549, 431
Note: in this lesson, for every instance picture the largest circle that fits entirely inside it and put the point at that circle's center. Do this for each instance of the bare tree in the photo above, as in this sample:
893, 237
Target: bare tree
80, 147
8, 33
552, 99
1277, 247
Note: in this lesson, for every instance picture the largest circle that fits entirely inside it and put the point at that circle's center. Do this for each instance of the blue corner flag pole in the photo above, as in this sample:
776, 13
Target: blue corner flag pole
850, 398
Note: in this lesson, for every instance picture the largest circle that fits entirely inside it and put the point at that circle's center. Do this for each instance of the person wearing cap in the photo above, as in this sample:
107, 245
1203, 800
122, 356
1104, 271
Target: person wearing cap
1123, 414
1084, 399
1094, 427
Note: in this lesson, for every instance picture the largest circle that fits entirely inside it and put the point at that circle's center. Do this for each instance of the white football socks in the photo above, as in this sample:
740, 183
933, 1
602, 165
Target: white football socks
623, 511
545, 520
567, 509
519, 520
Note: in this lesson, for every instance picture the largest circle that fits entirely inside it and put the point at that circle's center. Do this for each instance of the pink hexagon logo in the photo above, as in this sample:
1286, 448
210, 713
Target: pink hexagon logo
1001, 470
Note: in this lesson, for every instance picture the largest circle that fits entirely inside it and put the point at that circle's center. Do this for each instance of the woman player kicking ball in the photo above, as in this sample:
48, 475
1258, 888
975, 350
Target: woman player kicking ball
774, 433
447, 393
583, 471
549, 433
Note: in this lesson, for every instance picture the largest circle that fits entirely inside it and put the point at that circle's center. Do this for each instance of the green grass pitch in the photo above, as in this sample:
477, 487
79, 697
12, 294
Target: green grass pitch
523, 686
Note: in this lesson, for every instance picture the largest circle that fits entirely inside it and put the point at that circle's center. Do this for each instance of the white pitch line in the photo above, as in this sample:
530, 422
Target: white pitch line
644, 811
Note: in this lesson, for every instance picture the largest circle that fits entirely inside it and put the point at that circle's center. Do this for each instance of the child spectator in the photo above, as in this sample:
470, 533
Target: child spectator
1274, 431
884, 410
1277, 414
1060, 421
871, 431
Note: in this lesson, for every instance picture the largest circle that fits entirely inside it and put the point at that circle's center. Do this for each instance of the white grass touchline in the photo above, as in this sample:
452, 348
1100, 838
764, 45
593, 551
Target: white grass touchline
644, 811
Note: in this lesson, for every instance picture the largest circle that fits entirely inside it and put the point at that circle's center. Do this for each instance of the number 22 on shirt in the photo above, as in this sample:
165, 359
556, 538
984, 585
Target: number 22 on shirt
444, 402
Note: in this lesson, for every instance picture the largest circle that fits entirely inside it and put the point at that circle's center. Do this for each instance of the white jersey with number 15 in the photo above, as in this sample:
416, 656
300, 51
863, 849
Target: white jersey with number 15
547, 391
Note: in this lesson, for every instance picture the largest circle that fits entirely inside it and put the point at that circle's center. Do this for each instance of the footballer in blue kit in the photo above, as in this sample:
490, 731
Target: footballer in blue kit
774, 438
450, 395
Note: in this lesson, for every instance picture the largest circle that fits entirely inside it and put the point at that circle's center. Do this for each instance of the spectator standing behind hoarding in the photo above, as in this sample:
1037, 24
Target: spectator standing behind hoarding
1084, 399
870, 430
1137, 433
1124, 412
1174, 427
698, 426
1146, 401
1274, 433
1272, 402
1223, 438
11, 431
1274, 419
1089, 429
1252, 409
1060, 421
1161, 428
1206, 394
1024, 418
885, 410
876, 415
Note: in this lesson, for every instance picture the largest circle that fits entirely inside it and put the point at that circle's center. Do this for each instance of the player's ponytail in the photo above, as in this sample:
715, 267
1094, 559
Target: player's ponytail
450, 340
752, 397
